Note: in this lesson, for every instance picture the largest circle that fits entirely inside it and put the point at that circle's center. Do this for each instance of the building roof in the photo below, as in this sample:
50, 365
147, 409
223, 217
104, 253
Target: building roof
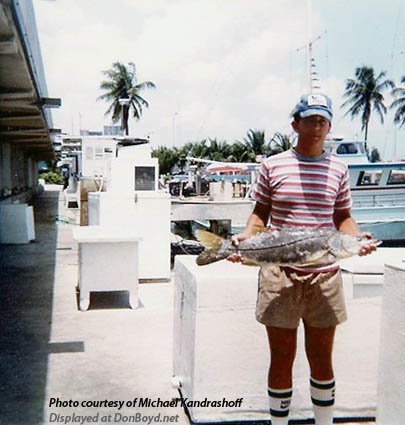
24, 115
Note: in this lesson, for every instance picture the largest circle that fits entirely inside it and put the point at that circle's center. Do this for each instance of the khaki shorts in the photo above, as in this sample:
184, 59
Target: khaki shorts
285, 296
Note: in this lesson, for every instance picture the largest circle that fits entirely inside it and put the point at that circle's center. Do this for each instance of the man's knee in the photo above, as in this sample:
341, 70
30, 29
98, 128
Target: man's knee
282, 355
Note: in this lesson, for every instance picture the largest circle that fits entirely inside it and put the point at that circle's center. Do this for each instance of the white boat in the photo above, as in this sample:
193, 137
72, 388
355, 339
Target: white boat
378, 190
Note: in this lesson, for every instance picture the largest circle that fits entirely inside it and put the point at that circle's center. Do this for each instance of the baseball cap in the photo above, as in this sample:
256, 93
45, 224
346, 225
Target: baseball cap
314, 104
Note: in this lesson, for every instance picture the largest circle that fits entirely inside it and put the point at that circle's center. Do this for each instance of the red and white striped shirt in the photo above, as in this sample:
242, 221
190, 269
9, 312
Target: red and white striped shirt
303, 191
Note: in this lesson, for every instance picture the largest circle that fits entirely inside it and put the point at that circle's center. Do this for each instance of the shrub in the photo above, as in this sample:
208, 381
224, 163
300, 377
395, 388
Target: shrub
52, 178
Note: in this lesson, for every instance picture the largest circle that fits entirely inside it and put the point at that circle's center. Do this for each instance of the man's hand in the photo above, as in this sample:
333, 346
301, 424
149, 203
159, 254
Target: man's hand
367, 249
236, 239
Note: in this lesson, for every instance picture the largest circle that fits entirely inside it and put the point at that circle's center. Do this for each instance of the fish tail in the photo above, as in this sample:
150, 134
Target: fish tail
213, 244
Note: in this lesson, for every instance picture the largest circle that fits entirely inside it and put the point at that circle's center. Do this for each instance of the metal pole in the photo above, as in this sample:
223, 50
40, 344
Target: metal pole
309, 43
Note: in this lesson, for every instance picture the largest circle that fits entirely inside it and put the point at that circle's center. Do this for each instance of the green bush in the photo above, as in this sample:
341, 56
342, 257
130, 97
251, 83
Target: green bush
52, 178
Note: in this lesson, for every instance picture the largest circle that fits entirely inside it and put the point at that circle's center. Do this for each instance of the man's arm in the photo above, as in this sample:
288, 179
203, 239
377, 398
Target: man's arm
345, 223
258, 217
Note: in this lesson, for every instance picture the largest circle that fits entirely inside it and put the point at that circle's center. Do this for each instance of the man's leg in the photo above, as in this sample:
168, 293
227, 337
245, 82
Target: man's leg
283, 346
319, 347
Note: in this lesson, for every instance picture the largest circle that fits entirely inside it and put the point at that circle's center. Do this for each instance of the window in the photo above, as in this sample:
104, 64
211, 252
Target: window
99, 152
347, 148
396, 177
144, 178
367, 178
89, 152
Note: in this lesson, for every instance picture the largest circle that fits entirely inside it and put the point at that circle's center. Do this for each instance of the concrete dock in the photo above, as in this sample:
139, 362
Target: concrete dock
60, 364
52, 350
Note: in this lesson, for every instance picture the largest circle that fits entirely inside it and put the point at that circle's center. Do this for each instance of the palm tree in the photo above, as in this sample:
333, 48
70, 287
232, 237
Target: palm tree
168, 158
256, 141
281, 141
255, 144
399, 104
239, 152
219, 150
195, 149
364, 93
123, 90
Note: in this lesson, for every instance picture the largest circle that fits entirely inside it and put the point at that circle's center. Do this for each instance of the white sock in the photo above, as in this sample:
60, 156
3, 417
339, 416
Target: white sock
279, 405
323, 399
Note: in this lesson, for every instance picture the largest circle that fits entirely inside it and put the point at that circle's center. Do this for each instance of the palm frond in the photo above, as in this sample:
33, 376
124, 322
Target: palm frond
145, 85
141, 101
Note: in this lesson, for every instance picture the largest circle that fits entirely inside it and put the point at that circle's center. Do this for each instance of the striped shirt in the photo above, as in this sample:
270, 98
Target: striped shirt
303, 191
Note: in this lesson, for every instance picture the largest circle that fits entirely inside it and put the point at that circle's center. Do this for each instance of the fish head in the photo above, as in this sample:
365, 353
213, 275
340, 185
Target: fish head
351, 245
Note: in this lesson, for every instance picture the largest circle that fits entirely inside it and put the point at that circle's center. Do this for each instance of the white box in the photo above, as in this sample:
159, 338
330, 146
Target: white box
391, 376
104, 264
16, 224
145, 213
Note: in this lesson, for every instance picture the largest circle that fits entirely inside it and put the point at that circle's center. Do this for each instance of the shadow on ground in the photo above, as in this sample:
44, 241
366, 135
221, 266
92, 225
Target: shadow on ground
27, 274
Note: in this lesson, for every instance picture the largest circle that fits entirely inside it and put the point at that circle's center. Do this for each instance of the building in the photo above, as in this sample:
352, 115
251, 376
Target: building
113, 130
26, 128
90, 133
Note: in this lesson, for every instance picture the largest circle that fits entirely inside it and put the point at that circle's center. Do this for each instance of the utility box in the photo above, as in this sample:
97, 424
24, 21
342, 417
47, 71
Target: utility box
391, 376
104, 264
221, 191
133, 201
97, 156
220, 351
145, 213
16, 224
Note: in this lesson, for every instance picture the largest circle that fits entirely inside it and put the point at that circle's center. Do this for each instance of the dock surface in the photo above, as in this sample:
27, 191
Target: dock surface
52, 354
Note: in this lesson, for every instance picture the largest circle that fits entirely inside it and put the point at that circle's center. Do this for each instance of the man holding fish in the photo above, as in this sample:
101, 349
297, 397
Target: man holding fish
305, 187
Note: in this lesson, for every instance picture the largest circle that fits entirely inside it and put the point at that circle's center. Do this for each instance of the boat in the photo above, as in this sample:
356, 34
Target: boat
378, 190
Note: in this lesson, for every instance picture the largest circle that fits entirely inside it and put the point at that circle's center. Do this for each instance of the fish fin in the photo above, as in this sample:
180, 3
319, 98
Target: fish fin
247, 262
210, 256
209, 240
212, 244
315, 260
256, 229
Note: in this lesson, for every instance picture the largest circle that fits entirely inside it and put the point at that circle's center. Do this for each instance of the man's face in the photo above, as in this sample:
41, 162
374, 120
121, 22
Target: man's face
315, 127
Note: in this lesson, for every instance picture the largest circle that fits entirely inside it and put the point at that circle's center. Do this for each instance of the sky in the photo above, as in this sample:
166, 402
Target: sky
221, 67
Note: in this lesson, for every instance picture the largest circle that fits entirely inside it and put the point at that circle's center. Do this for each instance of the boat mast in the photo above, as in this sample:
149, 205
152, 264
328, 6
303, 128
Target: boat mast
313, 78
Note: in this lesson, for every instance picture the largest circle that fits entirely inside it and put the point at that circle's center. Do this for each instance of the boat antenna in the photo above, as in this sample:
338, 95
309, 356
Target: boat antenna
314, 84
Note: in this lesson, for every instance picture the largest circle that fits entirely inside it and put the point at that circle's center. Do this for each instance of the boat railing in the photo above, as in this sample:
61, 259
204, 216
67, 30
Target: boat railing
379, 200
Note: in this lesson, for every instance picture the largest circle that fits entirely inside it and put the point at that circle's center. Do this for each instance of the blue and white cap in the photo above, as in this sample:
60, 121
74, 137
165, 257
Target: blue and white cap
314, 104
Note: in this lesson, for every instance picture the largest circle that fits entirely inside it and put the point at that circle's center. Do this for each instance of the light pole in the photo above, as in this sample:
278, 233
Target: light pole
174, 128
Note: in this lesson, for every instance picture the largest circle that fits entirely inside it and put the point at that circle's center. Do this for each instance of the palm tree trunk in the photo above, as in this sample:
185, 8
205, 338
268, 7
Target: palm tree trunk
365, 137
124, 119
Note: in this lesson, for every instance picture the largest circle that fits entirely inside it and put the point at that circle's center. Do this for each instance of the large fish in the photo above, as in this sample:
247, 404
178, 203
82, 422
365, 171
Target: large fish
287, 246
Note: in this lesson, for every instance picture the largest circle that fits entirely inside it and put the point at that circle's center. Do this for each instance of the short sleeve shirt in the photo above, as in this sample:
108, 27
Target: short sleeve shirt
303, 191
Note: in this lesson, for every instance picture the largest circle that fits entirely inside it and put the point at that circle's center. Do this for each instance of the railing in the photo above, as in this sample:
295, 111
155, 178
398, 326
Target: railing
379, 200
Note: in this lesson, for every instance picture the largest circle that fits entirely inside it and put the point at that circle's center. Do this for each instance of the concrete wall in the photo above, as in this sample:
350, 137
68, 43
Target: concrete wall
18, 167
5, 175
17, 170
